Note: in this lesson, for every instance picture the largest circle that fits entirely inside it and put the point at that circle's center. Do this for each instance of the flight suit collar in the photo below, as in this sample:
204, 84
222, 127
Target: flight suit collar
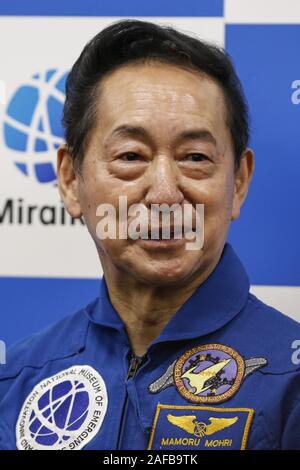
213, 304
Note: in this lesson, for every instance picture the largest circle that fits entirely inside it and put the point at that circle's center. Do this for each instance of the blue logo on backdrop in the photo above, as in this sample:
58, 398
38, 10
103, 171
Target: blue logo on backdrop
32, 124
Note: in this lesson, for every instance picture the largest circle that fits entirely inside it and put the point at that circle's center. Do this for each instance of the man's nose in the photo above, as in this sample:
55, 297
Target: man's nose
162, 181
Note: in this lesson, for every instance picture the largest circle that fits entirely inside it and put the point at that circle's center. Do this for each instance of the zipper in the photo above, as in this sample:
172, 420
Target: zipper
135, 363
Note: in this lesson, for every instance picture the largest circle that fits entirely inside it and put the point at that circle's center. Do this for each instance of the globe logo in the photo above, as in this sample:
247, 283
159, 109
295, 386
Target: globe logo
64, 411
60, 411
32, 128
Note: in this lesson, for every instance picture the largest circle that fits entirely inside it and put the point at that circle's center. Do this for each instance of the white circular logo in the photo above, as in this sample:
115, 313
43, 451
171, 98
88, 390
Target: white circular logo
63, 412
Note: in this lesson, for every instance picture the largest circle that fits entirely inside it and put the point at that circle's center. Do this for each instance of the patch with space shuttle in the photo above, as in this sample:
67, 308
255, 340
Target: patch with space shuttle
200, 428
211, 373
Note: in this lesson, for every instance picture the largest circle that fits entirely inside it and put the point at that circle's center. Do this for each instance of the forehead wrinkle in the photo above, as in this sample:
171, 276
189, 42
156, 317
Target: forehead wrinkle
178, 101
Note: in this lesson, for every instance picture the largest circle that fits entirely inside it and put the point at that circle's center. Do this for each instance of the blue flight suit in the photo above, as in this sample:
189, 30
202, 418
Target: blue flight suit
222, 374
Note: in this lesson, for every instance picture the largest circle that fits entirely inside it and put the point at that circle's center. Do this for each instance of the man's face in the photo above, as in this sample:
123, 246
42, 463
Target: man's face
160, 137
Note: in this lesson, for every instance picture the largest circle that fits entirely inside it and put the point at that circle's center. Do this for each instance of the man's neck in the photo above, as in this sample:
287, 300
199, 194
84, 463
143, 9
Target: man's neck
146, 309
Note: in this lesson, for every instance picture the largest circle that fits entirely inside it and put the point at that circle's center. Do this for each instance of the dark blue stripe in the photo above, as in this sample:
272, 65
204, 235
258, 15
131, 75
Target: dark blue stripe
112, 8
29, 304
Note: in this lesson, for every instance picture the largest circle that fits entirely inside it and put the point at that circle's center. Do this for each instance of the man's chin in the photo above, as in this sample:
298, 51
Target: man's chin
165, 274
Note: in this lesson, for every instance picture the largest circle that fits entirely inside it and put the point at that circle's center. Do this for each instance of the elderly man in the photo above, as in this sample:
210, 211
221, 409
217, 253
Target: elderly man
175, 353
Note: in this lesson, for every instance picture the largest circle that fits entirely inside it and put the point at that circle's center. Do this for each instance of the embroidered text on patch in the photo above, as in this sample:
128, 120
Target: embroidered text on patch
64, 411
211, 373
200, 427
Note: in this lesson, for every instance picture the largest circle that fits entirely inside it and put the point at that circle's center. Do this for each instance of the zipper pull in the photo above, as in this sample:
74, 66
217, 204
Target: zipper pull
134, 364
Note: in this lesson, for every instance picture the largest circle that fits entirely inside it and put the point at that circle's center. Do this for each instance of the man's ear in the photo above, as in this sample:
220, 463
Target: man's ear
243, 176
67, 179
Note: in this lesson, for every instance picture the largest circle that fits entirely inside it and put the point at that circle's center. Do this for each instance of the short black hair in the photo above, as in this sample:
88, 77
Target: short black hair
128, 41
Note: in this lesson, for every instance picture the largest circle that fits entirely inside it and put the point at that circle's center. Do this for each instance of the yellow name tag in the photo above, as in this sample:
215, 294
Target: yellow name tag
200, 428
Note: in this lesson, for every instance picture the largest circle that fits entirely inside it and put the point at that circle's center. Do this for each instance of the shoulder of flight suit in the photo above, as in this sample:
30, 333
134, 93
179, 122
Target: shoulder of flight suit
63, 339
59, 340
276, 337
271, 333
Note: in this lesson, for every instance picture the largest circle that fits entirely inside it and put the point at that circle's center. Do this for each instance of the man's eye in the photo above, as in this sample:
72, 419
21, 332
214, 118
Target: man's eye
130, 157
196, 157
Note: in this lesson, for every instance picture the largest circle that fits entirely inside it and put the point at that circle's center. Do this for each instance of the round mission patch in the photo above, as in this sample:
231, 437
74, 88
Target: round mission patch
211, 373
64, 411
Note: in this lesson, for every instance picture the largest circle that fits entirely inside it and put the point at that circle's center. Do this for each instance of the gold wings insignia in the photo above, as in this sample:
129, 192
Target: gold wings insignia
216, 424
188, 423
183, 422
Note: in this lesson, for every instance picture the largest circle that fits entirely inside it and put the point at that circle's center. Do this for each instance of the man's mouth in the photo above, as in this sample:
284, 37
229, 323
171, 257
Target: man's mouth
163, 233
